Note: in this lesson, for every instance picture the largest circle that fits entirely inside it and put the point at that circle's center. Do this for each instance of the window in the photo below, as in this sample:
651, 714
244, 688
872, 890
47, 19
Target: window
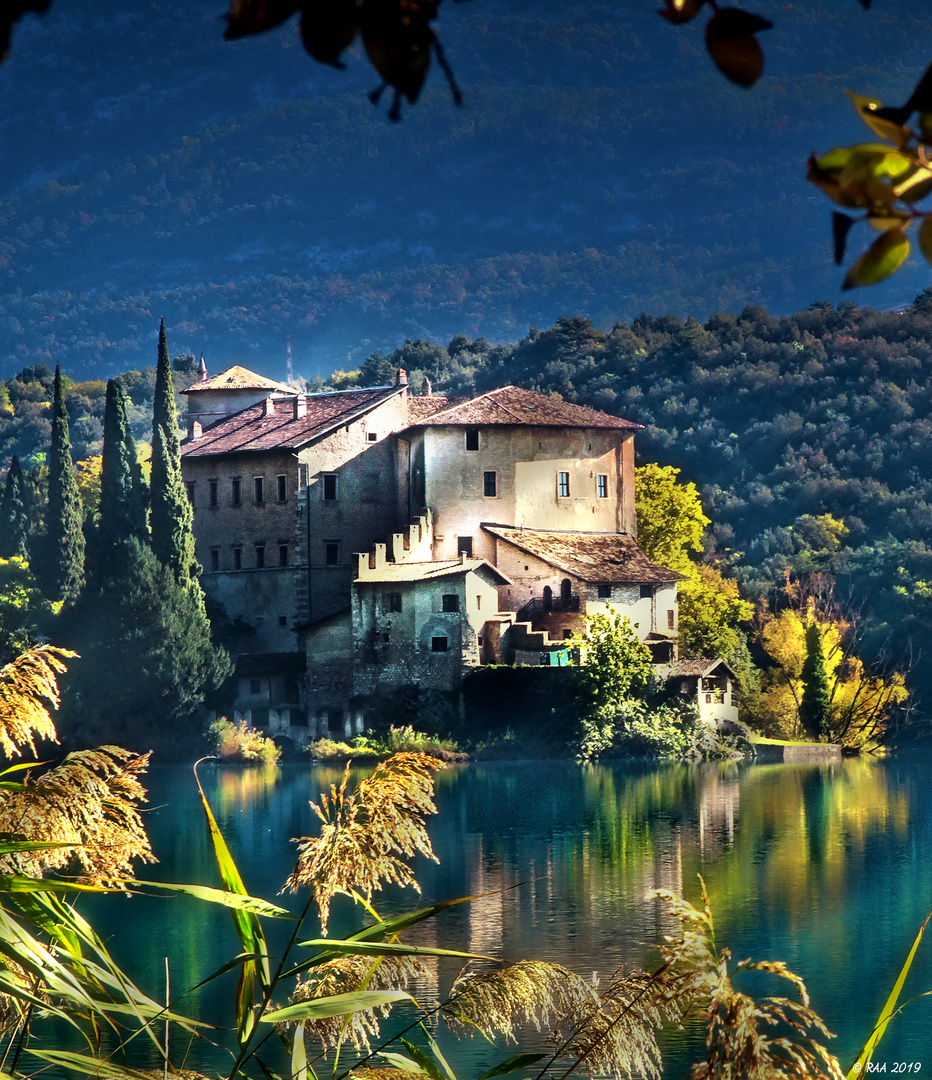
282, 554
647, 592
563, 484
488, 484
237, 558
478, 602
255, 686
235, 491
671, 619
215, 559
282, 488
567, 633
372, 436
439, 644
464, 545
257, 488
393, 601
605, 592
450, 602
332, 553
260, 556
189, 488
601, 486
282, 620
472, 439
212, 492
330, 487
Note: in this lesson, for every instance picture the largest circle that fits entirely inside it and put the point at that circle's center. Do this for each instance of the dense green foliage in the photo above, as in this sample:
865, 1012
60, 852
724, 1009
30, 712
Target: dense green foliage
122, 511
14, 514
815, 705
172, 539
63, 549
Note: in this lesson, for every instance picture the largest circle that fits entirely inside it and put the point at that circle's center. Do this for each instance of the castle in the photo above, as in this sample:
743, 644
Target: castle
373, 539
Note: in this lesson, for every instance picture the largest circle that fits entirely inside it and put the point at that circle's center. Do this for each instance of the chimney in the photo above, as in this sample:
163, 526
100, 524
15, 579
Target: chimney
401, 377
194, 430
300, 407
426, 389
268, 407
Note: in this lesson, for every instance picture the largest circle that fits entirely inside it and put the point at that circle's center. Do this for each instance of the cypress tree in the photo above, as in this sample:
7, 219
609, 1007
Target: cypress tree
64, 549
172, 540
14, 515
122, 504
814, 708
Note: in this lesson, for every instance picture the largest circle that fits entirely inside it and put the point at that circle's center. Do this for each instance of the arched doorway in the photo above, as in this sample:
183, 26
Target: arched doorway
548, 598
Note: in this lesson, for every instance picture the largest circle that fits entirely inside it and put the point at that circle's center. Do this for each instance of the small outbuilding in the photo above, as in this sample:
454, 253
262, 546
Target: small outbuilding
709, 684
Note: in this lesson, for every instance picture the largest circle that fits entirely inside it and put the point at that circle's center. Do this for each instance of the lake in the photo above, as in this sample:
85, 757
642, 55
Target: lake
827, 867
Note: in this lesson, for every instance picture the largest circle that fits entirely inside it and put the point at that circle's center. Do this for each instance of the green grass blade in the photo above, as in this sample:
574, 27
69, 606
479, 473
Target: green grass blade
512, 1064
247, 923
399, 1061
448, 1073
298, 1055
239, 901
888, 1010
335, 1005
424, 1060
349, 947
93, 1066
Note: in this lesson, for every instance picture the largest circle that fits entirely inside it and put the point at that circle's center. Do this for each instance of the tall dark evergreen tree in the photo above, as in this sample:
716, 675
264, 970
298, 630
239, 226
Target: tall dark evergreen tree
122, 502
14, 514
64, 547
172, 539
815, 706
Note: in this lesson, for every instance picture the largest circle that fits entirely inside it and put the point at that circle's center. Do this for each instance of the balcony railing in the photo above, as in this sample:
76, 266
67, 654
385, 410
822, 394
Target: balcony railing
542, 605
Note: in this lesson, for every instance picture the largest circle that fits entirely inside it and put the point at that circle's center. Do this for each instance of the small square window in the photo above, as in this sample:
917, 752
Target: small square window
331, 554
393, 601
472, 439
282, 554
464, 545
237, 558
480, 641
450, 602
372, 436
563, 484
439, 644
235, 491
215, 559
212, 492
257, 484
605, 592
282, 620
329, 493
260, 556
601, 486
488, 484
647, 592
282, 488
567, 633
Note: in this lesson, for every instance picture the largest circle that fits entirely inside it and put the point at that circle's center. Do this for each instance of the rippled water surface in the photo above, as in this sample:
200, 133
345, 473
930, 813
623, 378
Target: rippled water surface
826, 867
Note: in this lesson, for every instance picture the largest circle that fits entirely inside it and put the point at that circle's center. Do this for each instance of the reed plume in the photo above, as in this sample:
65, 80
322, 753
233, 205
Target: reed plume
90, 801
28, 690
344, 976
367, 833
737, 1046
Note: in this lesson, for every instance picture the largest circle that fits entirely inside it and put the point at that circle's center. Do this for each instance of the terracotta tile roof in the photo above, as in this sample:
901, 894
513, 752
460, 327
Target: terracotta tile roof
588, 556
239, 378
421, 409
251, 430
511, 405
700, 666
427, 571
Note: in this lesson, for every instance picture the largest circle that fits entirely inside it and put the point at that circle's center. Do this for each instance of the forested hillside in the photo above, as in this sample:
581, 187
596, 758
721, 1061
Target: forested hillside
599, 166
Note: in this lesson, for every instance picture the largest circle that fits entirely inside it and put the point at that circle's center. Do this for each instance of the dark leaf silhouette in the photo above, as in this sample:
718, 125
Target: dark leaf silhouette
841, 226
